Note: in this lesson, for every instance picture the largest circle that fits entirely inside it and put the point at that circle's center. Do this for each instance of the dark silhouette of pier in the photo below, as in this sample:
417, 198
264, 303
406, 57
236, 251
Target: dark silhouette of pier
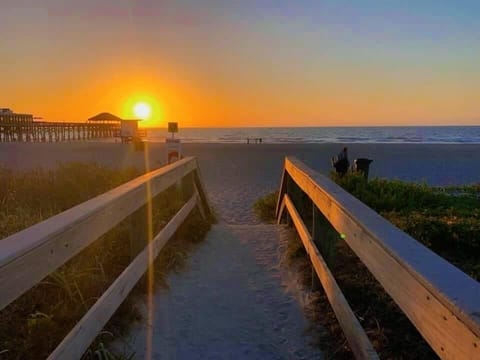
23, 128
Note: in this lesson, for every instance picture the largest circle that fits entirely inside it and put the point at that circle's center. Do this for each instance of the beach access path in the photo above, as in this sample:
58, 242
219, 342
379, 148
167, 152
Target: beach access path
233, 301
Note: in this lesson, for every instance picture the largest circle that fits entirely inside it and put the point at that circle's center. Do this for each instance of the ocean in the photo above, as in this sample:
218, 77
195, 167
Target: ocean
400, 135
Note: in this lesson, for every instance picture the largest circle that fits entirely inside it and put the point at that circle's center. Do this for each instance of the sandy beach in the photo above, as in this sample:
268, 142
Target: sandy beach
236, 175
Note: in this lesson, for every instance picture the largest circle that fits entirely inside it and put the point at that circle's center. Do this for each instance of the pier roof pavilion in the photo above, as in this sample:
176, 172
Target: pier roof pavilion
105, 118
10, 117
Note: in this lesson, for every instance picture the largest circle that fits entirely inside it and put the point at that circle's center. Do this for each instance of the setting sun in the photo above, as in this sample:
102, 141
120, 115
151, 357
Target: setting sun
142, 110
142, 106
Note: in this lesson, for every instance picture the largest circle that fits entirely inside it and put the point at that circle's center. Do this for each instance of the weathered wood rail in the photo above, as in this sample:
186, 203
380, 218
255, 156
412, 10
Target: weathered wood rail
441, 301
30, 255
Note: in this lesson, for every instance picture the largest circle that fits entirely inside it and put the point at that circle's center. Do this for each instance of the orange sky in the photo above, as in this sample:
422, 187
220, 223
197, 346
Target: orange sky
227, 67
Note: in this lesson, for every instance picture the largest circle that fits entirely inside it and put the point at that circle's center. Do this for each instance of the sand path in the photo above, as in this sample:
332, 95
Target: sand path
233, 301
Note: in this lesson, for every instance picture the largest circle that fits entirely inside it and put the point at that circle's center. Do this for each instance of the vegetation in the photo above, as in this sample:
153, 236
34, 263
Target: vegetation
29, 197
265, 207
444, 219
447, 220
55, 305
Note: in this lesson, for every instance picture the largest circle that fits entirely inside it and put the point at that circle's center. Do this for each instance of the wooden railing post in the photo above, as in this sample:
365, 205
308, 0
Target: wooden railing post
204, 203
281, 194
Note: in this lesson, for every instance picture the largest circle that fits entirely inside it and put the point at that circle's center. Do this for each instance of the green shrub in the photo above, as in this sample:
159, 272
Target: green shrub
445, 219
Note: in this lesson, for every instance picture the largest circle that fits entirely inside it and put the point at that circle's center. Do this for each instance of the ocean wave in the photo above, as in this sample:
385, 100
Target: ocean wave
390, 135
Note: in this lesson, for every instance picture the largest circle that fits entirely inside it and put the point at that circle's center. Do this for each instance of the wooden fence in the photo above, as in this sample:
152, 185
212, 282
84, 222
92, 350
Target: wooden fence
30, 255
441, 301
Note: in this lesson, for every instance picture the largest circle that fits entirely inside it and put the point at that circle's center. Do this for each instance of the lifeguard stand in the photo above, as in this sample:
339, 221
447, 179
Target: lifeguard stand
174, 149
128, 130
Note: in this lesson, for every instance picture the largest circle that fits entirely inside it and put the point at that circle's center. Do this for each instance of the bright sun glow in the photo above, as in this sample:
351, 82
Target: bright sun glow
142, 110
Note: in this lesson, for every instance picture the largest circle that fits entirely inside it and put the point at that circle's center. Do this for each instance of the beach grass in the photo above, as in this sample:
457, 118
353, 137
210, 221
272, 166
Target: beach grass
265, 207
55, 305
445, 219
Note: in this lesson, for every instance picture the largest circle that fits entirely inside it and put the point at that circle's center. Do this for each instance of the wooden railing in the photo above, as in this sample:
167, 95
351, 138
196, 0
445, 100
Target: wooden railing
30, 255
441, 301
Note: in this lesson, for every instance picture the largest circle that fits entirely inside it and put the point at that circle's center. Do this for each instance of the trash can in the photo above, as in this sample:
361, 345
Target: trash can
362, 166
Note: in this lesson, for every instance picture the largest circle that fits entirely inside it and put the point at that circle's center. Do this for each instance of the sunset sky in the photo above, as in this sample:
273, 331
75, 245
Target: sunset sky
244, 63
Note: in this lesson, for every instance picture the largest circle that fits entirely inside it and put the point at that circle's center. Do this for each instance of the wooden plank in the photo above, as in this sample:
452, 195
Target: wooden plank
30, 255
85, 331
281, 210
200, 204
197, 176
281, 192
356, 337
441, 301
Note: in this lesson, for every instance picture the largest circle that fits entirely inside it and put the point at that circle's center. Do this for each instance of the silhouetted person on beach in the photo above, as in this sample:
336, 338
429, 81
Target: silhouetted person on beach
341, 162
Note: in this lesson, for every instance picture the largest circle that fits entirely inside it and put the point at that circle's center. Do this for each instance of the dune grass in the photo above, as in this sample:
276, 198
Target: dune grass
447, 220
265, 207
32, 326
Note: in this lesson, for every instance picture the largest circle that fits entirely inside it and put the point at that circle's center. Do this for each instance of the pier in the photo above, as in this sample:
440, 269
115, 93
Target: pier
23, 128
40, 131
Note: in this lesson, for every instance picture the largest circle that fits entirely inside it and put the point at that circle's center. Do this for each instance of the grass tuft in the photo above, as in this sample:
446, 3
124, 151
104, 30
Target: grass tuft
265, 207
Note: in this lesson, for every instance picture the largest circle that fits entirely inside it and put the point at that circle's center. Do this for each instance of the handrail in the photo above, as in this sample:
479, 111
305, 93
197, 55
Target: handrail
81, 336
30, 255
441, 301
354, 332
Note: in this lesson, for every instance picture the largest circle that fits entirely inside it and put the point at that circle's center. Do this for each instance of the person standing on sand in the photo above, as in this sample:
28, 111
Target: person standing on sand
341, 162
